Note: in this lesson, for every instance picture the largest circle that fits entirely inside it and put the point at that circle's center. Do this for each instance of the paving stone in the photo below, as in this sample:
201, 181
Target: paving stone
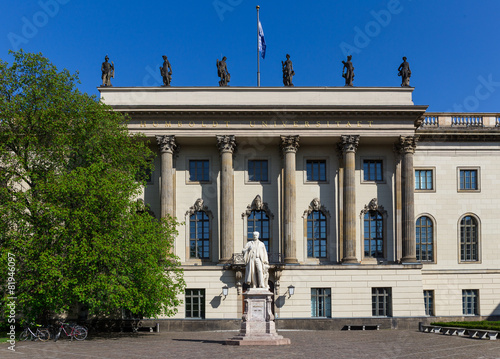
381, 344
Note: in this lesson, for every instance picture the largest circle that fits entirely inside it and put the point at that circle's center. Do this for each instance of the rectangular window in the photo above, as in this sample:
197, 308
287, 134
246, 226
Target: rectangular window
470, 302
468, 180
429, 302
199, 170
321, 302
316, 170
382, 302
195, 303
372, 170
424, 180
258, 171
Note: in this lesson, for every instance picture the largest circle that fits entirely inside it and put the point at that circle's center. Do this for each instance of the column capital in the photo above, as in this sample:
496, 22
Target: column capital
349, 143
226, 143
407, 144
167, 143
289, 144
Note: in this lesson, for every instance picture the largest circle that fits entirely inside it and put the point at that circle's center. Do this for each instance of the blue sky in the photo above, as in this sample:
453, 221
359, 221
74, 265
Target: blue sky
452, 46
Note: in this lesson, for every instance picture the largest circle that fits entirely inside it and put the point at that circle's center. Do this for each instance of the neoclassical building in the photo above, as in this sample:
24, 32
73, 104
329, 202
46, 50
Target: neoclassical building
370, 208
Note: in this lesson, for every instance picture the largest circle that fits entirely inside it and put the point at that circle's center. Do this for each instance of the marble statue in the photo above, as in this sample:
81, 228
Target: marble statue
222, 72
405, 73
108, 71
166, 71
257, 263
348, 75
288, 72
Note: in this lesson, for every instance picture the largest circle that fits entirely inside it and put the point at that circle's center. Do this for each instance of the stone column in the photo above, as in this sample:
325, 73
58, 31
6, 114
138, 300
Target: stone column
407, 145
289, 146
349, 145
168, 147
227, 146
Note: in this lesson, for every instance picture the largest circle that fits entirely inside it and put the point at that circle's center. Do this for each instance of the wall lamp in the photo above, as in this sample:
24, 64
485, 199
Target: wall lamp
291, 290
225, 291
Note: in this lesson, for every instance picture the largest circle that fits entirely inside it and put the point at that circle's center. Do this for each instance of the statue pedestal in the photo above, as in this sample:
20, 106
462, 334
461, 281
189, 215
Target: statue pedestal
257, 326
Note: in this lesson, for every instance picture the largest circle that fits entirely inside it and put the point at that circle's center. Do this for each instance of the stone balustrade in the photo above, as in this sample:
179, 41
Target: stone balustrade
467, 121
460, 120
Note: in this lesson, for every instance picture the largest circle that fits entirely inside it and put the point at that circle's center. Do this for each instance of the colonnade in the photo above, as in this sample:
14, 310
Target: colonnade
289, 146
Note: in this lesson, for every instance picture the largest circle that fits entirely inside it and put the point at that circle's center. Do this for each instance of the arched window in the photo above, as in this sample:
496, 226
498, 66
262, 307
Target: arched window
258, 221
374, 234
199, 235
469, 239
316, 222
425, 239
316, 235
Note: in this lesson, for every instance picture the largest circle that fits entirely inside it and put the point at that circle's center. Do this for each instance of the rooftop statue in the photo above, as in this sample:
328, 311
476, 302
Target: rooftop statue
108, 72
166, 71
349, 71
257, 263
405, 73
288, 72
222, 72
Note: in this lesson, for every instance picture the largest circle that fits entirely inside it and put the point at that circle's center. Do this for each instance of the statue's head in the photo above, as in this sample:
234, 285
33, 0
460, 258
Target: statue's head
255, 235
349, 58
404, 58
224, 58
106, 58
287, 56
164, 57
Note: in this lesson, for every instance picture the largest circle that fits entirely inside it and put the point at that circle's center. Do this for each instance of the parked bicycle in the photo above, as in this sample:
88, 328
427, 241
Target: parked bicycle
39, 334
72, 330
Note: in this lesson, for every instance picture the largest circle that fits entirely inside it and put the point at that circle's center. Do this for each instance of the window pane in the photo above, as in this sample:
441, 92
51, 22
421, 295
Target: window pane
316, 170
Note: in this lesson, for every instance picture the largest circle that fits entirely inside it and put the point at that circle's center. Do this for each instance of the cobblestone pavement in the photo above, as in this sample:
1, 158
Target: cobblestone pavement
305, 344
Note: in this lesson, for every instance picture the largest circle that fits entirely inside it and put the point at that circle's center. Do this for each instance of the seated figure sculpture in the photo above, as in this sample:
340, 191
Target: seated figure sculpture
257, 263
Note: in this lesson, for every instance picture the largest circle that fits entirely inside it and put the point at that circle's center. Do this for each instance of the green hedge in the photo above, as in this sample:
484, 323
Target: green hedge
484, 324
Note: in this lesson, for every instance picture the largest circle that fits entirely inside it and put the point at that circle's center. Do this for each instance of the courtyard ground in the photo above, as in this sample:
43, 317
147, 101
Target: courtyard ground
305, 344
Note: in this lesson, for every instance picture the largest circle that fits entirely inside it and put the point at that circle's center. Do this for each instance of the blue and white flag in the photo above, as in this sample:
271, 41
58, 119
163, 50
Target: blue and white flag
262, 42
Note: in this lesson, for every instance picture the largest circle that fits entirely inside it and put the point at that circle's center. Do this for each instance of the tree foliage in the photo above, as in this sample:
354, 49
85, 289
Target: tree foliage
70, 174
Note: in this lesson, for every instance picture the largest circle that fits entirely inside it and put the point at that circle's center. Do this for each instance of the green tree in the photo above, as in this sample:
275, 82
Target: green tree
70, 174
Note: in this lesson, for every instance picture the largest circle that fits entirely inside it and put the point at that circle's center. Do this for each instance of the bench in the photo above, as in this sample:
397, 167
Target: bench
361, 327
431, 329
483, 334
137, 325
453, 331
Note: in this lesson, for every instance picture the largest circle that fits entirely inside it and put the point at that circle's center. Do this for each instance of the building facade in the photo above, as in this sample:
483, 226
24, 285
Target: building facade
370, 208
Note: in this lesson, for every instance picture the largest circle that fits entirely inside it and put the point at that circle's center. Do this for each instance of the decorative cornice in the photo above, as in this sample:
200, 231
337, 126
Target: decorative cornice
197, 207
315, 205
167, 143
226, 143
408, 144
257, 205
289, 144
373, 206
349, 143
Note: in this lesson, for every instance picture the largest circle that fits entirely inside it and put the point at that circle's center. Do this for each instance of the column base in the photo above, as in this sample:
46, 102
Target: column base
409, 260
291, 261
350, 260
225, 261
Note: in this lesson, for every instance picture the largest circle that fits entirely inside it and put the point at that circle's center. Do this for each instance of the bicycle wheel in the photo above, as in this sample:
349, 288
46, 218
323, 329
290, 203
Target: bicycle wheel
57, 336
43, 334
24, 335
80, 333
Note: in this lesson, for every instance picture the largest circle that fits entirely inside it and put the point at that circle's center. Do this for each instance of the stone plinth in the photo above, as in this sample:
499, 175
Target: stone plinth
257, 326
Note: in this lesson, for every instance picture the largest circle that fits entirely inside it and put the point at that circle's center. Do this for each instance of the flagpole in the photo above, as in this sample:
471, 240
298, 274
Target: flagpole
258, 54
